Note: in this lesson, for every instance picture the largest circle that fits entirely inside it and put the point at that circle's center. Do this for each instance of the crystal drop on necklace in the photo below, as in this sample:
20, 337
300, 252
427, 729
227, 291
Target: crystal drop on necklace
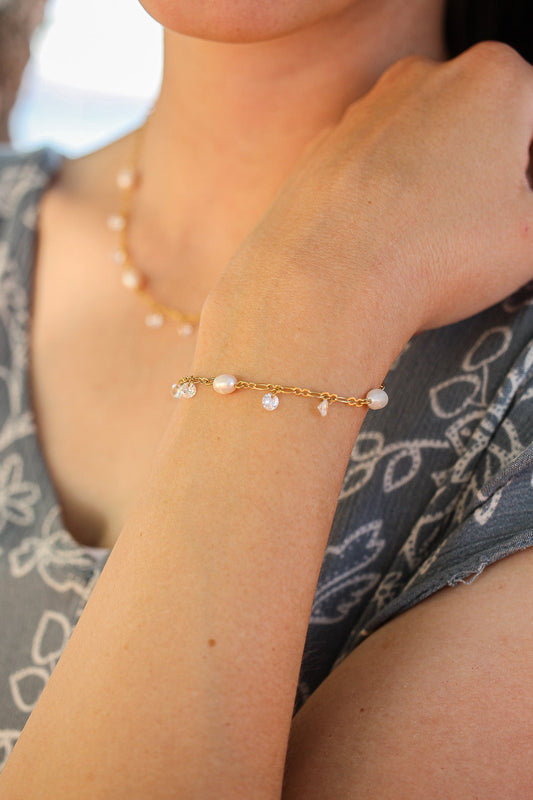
155, 320
119, 257
131, 279
185, 329
116, 222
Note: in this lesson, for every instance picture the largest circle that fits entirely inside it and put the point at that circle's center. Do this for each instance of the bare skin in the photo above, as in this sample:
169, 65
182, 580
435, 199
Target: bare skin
212, 169
133, 712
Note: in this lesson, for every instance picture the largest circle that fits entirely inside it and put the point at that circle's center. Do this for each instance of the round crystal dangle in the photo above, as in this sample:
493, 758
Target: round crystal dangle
270, 401
120, 257
186, 390
116, 222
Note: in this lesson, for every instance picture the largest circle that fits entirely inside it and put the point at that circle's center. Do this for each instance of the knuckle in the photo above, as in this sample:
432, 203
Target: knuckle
494, 58
495, 71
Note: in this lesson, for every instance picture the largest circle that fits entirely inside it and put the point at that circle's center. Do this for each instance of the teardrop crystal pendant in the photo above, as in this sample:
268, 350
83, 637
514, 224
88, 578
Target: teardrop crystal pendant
270, 401
322, 408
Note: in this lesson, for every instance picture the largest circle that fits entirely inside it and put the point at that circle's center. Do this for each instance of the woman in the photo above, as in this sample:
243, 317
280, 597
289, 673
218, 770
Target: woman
320, 226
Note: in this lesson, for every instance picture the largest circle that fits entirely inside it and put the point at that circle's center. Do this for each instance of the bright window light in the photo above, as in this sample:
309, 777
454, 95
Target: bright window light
95, 71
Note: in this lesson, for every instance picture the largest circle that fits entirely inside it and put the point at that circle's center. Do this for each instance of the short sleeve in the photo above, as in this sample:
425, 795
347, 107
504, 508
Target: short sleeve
490, 518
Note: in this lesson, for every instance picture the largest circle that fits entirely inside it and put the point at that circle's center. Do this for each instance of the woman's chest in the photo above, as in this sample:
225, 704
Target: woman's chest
101, 412
101, 409
100, 378
100, 389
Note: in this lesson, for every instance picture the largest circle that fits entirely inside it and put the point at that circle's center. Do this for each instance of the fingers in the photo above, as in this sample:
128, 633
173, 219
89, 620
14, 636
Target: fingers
499, 74
502, 71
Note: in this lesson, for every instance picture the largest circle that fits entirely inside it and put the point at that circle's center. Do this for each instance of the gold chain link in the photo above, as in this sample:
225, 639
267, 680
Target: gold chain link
276, 388
127, 196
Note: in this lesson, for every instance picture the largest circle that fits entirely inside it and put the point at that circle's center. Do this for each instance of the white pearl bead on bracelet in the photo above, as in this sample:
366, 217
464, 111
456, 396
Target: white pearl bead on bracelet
224, 384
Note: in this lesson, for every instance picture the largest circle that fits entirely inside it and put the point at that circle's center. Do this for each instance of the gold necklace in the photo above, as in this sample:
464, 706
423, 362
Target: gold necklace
127, 180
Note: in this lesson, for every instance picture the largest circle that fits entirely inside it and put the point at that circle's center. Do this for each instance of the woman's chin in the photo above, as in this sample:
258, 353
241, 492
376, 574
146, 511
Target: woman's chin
241, 21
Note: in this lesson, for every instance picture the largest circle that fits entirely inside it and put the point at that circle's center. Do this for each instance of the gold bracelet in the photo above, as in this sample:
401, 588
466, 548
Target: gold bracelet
226, 384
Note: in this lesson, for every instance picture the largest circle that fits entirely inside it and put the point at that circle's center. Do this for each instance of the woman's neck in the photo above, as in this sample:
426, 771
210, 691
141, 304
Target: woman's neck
232, 119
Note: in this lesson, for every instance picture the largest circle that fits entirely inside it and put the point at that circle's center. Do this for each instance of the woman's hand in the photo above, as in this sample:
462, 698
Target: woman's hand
416, 208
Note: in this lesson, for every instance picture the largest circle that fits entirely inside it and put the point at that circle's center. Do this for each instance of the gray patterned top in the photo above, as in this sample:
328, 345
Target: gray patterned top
438, 486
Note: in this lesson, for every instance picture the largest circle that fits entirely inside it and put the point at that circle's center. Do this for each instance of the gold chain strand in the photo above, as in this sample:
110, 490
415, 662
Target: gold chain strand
127, 181
226, 384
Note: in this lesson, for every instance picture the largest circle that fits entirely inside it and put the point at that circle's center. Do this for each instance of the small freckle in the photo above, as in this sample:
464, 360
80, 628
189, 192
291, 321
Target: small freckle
211, 642
361, 710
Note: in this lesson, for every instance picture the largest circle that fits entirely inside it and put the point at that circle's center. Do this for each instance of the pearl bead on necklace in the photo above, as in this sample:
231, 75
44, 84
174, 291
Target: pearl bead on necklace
132, 277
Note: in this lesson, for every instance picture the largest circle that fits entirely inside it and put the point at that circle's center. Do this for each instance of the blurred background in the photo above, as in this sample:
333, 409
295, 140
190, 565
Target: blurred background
94, 72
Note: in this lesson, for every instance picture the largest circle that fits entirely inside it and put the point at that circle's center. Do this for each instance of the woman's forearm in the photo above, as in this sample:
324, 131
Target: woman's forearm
179, 680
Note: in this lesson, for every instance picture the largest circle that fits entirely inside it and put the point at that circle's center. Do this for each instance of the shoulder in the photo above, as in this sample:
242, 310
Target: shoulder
33, 169
23, 178
437, 703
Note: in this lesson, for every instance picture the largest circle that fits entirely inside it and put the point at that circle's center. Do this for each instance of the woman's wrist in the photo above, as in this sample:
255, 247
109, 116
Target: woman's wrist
292, 331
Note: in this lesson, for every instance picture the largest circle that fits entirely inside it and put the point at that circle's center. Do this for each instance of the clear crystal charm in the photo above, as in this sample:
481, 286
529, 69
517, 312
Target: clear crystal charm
155, 320
116, 222
322, 408
185, 329
126, 178
270, 401
131, 279
186, 390
119, 257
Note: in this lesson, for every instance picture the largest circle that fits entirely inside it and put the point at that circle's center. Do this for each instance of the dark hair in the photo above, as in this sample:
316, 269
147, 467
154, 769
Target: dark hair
471, 21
